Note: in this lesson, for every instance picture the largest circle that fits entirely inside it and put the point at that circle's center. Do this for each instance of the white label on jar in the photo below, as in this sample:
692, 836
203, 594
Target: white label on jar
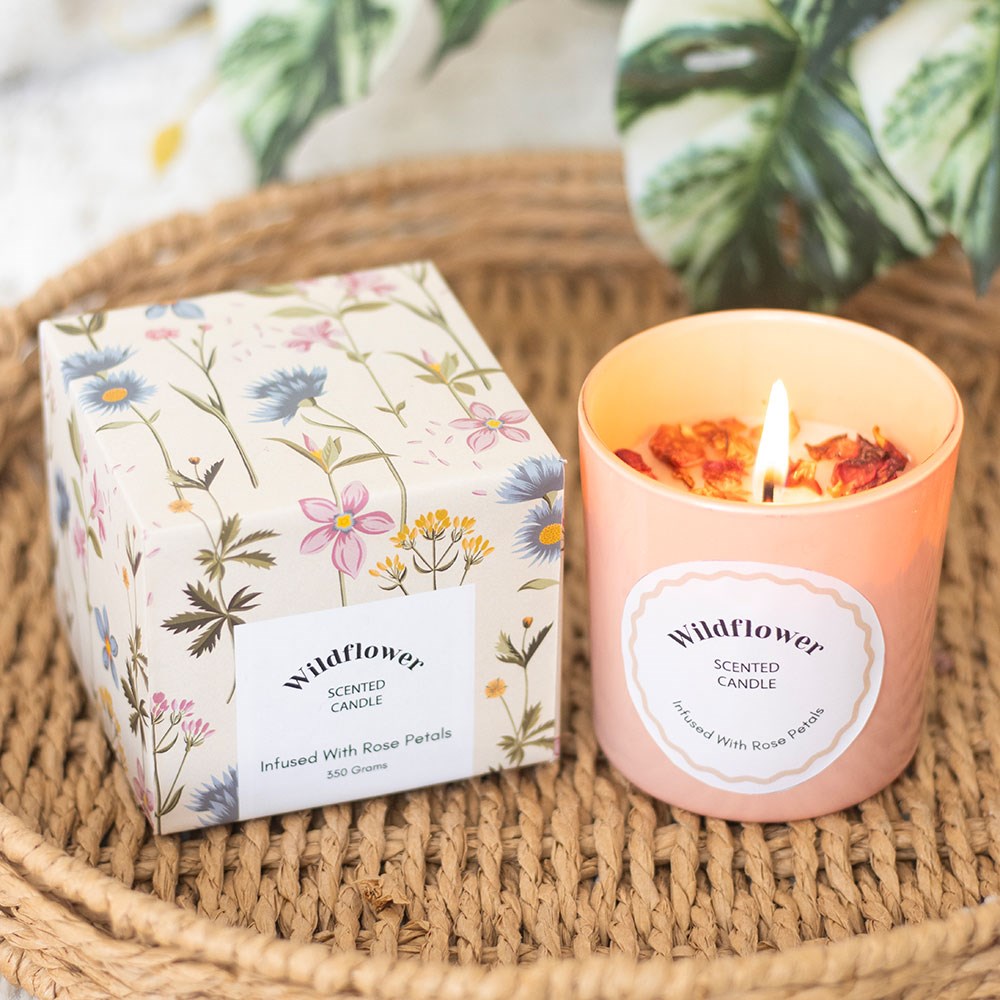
751, 677
352, 702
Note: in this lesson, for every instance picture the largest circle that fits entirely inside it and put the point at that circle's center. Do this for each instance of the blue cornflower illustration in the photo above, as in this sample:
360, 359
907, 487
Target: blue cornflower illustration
109, 644
62, 502
284, 391
116, 392
532, 479
182, 307
540, 536
219, 797
86, 363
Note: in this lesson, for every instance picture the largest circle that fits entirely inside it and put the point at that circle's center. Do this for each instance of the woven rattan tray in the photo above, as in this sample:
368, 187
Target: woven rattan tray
561, 881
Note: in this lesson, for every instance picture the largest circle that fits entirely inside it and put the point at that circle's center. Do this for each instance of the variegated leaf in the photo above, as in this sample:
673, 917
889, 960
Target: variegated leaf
749, 163
461, 22
299, 58
928, 78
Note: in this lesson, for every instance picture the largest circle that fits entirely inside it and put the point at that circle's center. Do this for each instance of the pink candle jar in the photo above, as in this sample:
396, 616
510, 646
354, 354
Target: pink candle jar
763, 661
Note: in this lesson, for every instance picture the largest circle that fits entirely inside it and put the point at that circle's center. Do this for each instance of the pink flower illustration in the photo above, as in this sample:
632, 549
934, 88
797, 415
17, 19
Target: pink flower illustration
366, 281
162, 333
142, 791
341, 526
195, 733
79, 540
98, 507
307, 336
486, 425
178, 709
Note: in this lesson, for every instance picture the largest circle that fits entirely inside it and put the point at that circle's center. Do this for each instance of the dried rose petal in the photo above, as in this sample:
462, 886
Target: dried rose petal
635, 461
887, 446
725, 474
708, 490
802, 472
677, 445
838, 448
872, 466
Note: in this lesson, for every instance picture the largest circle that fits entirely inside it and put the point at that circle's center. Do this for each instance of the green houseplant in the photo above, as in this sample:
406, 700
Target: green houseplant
777, 152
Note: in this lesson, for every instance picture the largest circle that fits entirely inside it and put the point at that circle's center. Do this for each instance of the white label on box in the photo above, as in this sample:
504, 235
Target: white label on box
751, 677
353, 702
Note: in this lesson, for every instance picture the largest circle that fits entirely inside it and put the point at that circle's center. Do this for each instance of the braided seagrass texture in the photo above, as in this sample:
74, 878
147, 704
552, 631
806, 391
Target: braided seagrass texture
560, 881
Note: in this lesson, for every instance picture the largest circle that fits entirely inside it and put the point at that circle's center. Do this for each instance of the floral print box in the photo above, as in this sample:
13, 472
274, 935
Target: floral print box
309, 544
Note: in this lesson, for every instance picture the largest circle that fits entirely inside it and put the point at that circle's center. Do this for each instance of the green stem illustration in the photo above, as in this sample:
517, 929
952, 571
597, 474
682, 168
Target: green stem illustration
434, 314
345, 425
173, 785
156, 776
214, 405
355, 355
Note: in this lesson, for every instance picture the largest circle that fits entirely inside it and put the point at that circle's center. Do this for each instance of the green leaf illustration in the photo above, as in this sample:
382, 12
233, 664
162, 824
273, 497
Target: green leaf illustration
74, 436
362, 307
251, 537
115, 425
535, 643
284, 69
936, 118
228, 532
207, 620
530, 717
215, 568
210, 473
461, 22
750, 165
541, 583
197, 400
331, 451
507, 652
172, 802
95, 543
78, 496
357, 459
298, 311
258, 559
304, 452
273, 291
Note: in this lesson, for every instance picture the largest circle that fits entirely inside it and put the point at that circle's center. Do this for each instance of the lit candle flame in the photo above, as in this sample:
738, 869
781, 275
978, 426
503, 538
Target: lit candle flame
771, 466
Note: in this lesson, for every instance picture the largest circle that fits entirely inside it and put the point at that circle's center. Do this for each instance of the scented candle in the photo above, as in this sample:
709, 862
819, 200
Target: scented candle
753, 660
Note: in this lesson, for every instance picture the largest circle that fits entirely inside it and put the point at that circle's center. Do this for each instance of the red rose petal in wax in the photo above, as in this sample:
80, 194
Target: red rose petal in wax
635, 461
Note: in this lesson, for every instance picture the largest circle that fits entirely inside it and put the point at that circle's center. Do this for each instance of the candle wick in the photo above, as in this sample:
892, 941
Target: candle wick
768, 490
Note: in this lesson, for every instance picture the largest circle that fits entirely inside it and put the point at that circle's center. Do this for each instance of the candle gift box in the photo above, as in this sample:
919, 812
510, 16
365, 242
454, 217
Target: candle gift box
308, 544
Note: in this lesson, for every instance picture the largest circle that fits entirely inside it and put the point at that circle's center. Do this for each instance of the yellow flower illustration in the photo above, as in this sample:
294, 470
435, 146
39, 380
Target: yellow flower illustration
527, 621
125, 576
403, 539
393, 570
180, 505
496, 688
433, 524
461, 527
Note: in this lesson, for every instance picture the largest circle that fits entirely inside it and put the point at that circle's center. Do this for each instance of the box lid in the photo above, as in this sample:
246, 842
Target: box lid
380, 372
